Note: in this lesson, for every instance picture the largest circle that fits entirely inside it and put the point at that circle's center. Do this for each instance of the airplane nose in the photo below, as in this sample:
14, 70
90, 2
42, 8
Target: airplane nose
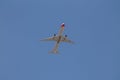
63, 25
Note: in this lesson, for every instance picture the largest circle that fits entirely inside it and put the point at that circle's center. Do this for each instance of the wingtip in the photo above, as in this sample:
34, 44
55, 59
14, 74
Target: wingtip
41, 40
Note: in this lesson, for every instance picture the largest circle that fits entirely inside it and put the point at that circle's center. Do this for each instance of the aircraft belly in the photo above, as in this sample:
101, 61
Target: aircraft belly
59, 39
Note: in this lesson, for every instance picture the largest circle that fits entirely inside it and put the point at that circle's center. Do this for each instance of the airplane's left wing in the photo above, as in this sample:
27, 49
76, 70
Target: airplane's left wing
54, 38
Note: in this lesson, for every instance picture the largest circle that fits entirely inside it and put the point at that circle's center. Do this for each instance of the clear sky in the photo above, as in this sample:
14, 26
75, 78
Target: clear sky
94, 26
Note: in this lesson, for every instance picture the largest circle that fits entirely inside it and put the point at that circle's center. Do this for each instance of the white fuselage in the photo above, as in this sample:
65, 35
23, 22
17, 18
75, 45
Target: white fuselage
55, 49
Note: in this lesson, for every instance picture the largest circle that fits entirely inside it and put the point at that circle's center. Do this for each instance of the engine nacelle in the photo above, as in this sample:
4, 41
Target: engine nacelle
54, 34
65, 35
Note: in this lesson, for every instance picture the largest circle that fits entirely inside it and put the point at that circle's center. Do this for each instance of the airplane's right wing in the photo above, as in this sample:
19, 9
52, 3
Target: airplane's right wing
54, 38
65, 39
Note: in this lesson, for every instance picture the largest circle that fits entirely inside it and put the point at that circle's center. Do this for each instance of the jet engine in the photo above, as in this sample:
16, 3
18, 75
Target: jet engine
65, 35
54, 34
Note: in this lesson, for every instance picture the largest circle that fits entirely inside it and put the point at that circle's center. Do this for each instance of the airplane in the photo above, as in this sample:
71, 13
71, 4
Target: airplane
58, 38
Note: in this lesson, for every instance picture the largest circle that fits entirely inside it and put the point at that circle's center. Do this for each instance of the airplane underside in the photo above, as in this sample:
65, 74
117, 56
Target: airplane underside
58, 38
55, 49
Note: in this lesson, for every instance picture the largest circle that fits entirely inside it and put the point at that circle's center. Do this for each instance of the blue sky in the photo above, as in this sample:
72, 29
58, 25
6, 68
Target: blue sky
94, 26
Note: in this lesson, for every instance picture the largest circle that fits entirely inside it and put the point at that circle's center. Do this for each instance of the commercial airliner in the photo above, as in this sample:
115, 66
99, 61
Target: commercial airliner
58, 38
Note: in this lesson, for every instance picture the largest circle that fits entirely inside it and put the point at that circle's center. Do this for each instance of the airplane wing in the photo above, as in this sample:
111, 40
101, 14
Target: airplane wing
65, 39
54, 38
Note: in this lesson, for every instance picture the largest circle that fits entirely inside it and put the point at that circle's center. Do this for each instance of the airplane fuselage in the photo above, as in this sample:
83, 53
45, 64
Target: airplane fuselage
60, 32
59, 39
